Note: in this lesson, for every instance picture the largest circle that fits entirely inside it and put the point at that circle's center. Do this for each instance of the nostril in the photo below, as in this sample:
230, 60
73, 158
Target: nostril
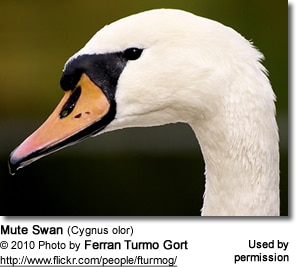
71, 103
87, 112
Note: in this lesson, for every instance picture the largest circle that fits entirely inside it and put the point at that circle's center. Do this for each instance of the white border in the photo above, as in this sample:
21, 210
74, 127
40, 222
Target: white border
212, 242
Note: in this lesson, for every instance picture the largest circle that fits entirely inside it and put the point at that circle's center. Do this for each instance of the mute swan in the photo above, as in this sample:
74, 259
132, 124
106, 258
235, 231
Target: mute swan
166, 66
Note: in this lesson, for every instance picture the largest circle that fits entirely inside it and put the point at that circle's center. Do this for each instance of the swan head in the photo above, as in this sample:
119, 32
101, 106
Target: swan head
156, 67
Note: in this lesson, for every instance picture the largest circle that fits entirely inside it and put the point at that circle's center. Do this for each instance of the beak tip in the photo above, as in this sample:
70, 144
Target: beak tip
16, 161
11, 168
20, 157
13, 164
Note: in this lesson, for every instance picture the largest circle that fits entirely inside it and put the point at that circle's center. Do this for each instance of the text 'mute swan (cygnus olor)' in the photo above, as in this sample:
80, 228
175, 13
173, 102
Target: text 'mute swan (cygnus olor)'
166, 66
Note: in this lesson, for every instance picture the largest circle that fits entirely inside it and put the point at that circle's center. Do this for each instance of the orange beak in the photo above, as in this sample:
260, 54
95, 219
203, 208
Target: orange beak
72, 120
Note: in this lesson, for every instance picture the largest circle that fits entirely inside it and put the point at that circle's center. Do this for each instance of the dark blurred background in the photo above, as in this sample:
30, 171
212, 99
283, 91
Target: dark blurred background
149, 171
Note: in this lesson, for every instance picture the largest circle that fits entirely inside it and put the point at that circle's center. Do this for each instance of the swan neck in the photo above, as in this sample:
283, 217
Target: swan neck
241, 164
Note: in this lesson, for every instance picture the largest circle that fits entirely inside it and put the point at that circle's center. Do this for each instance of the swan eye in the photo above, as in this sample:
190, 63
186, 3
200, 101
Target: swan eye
132, 53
